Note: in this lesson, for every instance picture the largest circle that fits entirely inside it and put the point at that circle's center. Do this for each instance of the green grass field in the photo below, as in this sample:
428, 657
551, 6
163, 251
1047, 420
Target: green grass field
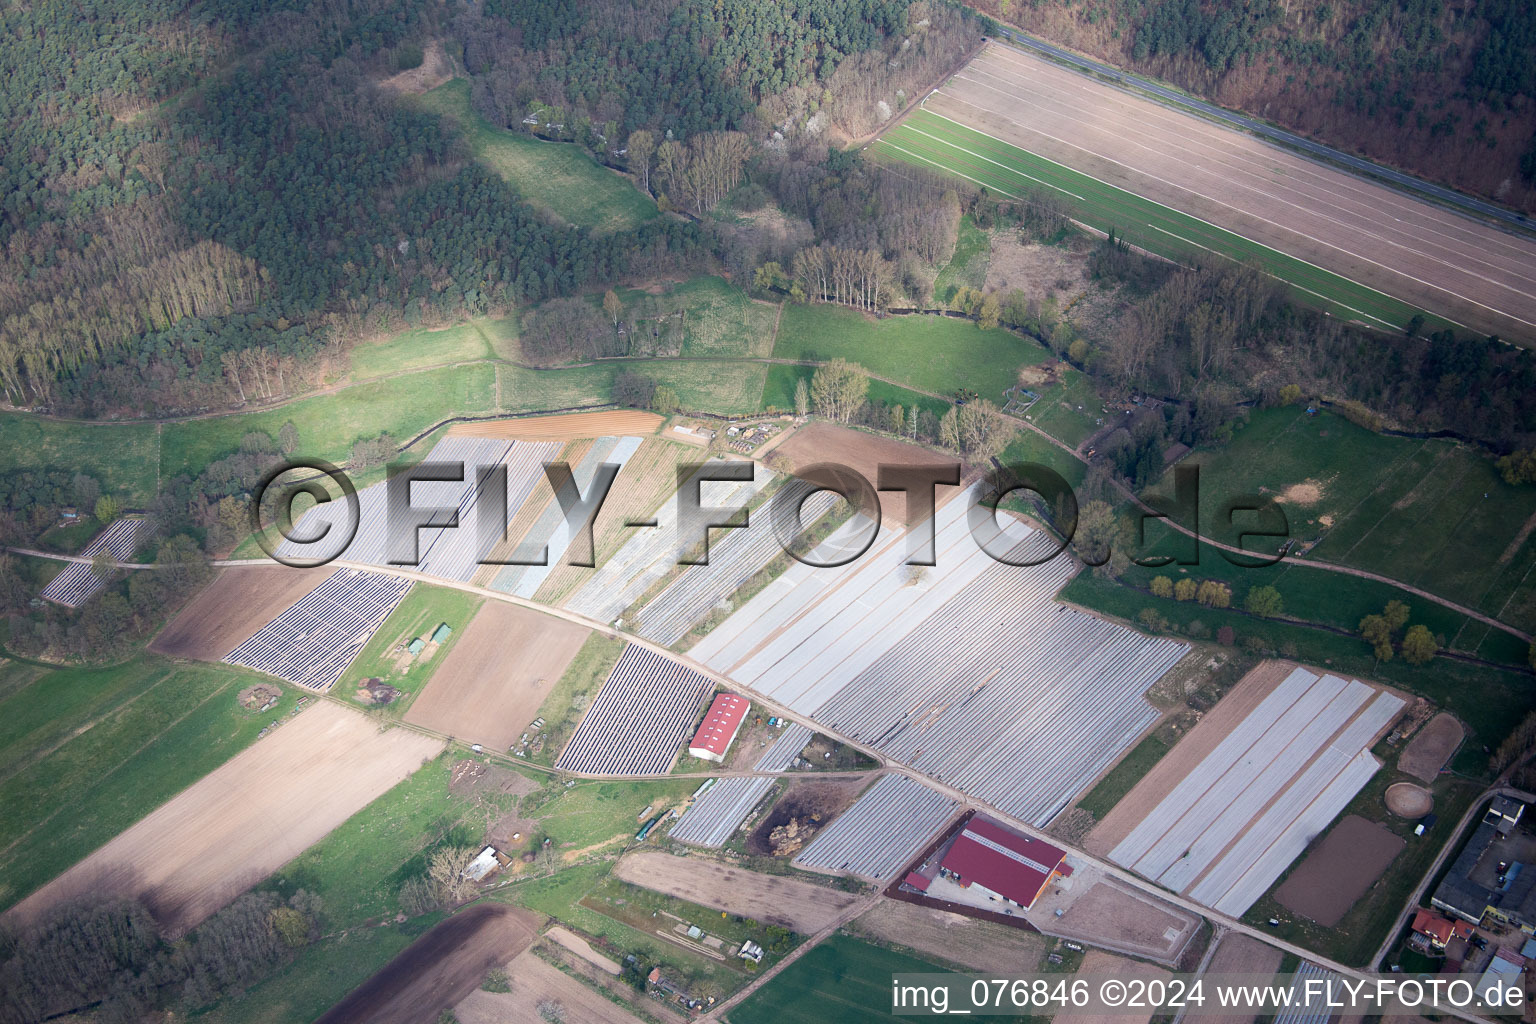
1433, 514
842, 979
968, 266
412, 350
418, 615
929, 353
779, 391
574, 691
328, 424
719, 319
122, 456
929, 140
88, 752
558, 177
1069, 410
724, 386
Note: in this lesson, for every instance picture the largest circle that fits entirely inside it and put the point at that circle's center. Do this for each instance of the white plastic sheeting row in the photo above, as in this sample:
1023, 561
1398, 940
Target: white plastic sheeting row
638, 722
652, 551
974, 675
733, 559
552, 530
881, 832
1314, 1004
1229, 828
453, 554
719, 812
316, 638
78, 583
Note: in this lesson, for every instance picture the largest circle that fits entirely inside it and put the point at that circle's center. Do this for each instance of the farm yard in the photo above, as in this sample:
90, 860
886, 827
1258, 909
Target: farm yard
1224, 832
881, 832
821, 641
640, 718
1105, 912
78, 583
241, 600
480, 694
386, 671
800, 906
553, 176
1300, 215
314, 641
715, 814
245, 819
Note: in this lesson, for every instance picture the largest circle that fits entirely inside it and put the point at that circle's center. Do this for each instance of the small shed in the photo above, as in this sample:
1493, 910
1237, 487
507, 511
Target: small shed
416, 644
441, 633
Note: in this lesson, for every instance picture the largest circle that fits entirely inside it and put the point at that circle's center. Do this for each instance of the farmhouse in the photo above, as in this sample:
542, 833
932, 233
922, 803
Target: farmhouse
1494, 874
1439, 930
719, 727
1001, 863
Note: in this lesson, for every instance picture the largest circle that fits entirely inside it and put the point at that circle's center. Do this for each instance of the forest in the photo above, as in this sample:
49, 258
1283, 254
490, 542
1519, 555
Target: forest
1444, 90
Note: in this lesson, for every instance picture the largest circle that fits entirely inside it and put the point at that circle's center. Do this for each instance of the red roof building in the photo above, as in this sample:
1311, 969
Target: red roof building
1008, 864
719, 727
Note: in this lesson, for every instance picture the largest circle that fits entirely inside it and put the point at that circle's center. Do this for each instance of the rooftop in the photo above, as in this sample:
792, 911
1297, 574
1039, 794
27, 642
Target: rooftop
1007, 862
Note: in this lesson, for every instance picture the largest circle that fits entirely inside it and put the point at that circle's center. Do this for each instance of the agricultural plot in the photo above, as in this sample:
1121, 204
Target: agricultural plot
1227, 830
791, 903
566, 427
314, 641
640, 718
227, 612
78, 582
1340, 870
535, 983
245, 819
933, 673
493, 682
733, 560
1368, 251
552, 532
718, 812
556, 177
424, 347
880, 833
1314, 995
453, 553
652, 552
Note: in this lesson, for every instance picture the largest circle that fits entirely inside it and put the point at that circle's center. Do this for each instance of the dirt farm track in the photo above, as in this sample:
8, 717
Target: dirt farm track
1466, 270
244, 820
564, 427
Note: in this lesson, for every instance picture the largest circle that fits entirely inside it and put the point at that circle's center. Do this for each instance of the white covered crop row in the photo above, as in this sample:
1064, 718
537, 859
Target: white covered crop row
640, 718
882, 831
314, 640
718, 813
551, 530
1229, 828
652, 551
78, 583
733, 560
1311, 1005
449, 553
974, 676
790, 744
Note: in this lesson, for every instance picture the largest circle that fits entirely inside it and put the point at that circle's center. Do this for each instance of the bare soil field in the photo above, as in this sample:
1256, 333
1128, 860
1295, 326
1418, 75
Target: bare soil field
800, 906
825, 442
1239, 954
582, 948
1474, 273
1429, 751
535, 983
1102, 912
244, 820
231, 609
1188, 753
564, 427
1107, 965
1406, 800
1338, 872
821, 799
980, 945
495, 678
440, 968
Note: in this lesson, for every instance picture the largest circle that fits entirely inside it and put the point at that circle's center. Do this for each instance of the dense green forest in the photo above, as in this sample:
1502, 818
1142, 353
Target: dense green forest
1446, 90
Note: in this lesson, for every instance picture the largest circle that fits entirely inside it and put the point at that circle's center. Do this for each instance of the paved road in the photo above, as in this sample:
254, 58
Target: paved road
1459, 201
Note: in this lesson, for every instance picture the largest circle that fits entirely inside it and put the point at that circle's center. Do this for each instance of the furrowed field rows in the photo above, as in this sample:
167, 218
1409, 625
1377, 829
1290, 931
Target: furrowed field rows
930, 140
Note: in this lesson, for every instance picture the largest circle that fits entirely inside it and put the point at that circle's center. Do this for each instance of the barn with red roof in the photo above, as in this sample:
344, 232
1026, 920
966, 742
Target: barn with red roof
1006, 864
719, 728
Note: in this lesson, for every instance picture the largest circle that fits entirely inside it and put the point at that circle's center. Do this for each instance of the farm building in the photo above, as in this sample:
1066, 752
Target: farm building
1439, 930
1493, 875
441, 633
1005, 864
719, 728
482, 865
1503, 971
